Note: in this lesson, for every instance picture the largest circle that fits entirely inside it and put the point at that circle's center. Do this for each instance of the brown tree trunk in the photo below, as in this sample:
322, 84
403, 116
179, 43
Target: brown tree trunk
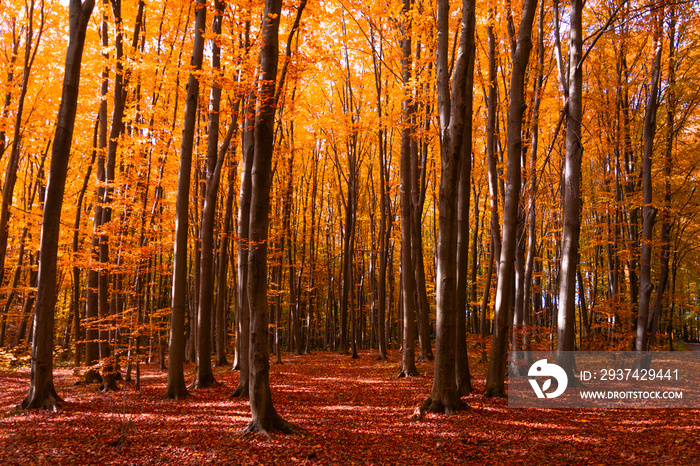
408, 283
648, 210
176, 354
462, 375
571, 181
243, 319
452, 106
495, 381
215, 162
264, 416
385, 214
42, 393
666, 219
532, 194
221, 308
75, 303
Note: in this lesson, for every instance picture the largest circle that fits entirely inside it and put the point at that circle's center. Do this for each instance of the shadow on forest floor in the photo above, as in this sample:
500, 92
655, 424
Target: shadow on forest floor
352, 411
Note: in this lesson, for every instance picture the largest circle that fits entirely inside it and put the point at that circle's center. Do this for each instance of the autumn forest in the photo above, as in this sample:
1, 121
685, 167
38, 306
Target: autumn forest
198, 193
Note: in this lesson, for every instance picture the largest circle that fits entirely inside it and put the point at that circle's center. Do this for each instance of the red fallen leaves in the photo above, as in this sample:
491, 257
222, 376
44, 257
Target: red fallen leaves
352, 412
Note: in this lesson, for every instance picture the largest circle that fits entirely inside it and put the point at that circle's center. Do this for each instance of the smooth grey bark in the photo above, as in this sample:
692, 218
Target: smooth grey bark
495, 380
176, 349
491, 139
42, 393
571, 186
221, 308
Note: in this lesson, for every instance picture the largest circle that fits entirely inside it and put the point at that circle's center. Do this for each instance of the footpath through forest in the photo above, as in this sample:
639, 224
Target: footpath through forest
350, 412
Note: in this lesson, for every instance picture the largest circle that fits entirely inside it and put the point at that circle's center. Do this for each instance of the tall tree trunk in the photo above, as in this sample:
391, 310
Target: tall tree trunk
571, 186
221, 307
491, 139
42, 393
176, 354
243, 319
463, 378
385, 223
495, 381
452, 106
75, 303
666, 219
12, 168
408, 282
116, 129
215, 162
532, 194
649, 211
264, 416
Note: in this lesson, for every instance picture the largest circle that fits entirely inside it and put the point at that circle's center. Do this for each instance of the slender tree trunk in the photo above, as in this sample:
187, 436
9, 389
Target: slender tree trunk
463, 378
215, 162
666, 219
75, 303
532, 194
264, 416
571, 185
243, 320
222, 267
408, 283
648, 209
42, 393
176, 355
385, 214
495, 381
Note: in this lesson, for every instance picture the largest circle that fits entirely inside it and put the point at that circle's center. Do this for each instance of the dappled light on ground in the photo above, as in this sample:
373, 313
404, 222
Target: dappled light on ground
350, 412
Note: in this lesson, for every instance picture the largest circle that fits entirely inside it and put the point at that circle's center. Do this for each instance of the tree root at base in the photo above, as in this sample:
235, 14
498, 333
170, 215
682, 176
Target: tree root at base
240, 392
275, 425
50, 401
437, 406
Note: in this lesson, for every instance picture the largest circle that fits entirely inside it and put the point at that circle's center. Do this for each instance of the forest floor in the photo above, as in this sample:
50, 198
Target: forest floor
352, 411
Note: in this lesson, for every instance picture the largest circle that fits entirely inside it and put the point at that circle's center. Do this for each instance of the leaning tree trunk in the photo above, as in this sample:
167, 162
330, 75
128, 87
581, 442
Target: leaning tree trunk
12, 168
495, 381
176, 351
42, 393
